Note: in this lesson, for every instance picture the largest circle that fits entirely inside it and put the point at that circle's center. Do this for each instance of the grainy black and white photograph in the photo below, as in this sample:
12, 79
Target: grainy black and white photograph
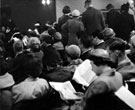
67, 54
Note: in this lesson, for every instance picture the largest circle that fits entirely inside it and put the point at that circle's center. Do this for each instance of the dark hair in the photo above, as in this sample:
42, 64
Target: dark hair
88, 1
45, 27
118, 44
96, 33
18, 46
17, 35
32, 33
109, 6
35, 48
124, 7
51, 57
101, 61
66, 9
51, 31
87, 41
47, 39
31, 65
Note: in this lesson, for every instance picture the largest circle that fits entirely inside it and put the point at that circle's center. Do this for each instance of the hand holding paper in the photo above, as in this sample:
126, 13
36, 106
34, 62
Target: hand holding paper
84, 74
66, 90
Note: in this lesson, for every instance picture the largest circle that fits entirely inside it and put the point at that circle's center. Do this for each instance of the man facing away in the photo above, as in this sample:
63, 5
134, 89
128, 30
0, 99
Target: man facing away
111, 16
92, 18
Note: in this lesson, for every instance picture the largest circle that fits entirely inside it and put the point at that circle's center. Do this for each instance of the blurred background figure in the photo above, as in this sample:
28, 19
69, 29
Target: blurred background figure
37, 28
131, 8
111, 16
72, 27
126, 23
92, 18
66, 15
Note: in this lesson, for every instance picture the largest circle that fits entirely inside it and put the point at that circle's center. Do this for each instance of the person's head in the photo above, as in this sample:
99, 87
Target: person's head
85, 42
52, 58
57, 36
46, 40
66, 9
116, 50
16, 35
34, 43
87, 3
131, 3
99, 60
73, 51
106, 34
18, 46
32, 33
109, 6
76, 13
51, 31
124, 7
32, 66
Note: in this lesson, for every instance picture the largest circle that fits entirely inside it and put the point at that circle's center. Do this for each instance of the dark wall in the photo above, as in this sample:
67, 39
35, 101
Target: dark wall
26, 12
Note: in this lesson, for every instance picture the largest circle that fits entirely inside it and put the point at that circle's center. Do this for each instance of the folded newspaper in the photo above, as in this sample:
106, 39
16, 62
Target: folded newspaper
84, 74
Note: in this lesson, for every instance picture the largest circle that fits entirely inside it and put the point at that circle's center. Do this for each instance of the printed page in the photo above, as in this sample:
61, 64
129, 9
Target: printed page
65, 89
126, 96
84, 74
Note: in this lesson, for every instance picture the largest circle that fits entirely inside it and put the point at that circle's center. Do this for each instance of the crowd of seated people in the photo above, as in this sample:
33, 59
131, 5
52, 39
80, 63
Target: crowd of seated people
52, 53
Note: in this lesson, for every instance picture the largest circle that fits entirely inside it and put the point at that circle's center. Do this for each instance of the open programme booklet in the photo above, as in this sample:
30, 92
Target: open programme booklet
84, 74
66, 90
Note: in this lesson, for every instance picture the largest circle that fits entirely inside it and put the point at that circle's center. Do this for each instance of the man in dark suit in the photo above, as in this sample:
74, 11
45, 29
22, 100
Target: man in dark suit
92, 18
111, 16
126, 23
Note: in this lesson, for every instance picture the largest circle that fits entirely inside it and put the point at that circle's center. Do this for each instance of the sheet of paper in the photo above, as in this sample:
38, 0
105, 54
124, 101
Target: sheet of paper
126, 96
65, 89
84, 74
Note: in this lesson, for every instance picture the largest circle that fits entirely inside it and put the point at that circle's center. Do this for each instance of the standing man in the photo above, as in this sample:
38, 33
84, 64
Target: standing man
111, 16
92, 18
126, 23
